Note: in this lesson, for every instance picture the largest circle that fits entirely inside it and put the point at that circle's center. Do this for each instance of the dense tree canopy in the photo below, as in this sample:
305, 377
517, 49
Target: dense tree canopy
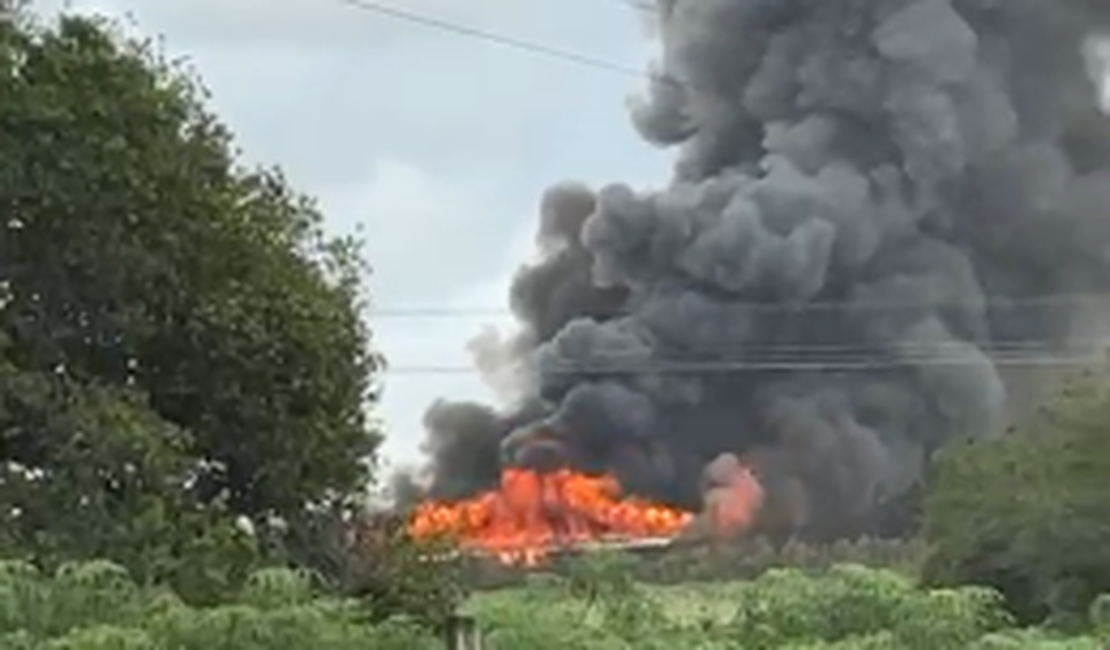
1029, 513
179, 343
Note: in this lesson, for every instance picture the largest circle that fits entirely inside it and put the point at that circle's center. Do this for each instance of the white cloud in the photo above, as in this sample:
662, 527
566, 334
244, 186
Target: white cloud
409, 204
427, 353
581, 26
1099, 60
428, 237
418, 236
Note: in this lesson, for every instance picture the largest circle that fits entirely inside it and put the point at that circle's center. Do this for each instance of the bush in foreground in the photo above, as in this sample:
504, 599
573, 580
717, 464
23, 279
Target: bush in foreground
848, 607
97, 607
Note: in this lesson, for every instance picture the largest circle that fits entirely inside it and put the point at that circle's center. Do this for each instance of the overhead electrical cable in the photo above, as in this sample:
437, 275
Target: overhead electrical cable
496, 38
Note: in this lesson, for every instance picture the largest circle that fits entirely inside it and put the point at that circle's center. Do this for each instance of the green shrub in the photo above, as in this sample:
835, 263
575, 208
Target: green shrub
1027, 514
848, 607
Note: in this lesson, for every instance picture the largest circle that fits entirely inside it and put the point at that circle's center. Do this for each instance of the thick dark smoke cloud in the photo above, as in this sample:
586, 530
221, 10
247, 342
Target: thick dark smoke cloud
880, 207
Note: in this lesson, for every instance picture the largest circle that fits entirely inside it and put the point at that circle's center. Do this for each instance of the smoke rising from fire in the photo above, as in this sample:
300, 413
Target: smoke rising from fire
879, 210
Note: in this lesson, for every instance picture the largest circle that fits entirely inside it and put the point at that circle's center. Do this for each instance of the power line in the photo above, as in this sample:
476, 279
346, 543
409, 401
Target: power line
793, 357
745, 366
810, 357
1055, 300
504, 40
812, 351
823, 354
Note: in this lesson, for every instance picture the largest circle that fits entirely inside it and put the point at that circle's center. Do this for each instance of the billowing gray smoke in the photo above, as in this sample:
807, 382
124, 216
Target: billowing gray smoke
882, 211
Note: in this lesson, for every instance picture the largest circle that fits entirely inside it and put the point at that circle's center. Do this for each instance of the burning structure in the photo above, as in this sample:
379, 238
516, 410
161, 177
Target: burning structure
887, 217
534, 512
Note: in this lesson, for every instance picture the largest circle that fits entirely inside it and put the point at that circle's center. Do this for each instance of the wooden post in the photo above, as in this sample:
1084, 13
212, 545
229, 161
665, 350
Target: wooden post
463, 633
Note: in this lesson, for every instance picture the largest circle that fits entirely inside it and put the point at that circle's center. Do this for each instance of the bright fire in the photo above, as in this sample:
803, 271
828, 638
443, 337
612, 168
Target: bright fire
531, 513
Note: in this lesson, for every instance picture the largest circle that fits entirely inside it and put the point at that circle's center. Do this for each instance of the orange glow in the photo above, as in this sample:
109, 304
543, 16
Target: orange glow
732, 507
532, 513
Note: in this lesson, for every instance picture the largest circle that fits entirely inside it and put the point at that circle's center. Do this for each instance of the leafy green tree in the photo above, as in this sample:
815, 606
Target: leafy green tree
179, 342
1028, 513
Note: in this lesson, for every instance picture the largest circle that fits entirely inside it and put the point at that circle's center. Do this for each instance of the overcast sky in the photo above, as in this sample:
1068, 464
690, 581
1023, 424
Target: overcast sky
436, 146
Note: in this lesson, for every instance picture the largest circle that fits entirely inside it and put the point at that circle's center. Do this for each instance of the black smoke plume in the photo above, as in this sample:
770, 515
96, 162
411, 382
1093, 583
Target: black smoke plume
885, 216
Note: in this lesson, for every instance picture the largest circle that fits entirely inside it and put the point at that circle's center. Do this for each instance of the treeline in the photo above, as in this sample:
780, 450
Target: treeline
1029, 513
742, 559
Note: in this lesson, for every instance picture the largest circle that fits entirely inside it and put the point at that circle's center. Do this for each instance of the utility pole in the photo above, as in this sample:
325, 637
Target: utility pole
462, 633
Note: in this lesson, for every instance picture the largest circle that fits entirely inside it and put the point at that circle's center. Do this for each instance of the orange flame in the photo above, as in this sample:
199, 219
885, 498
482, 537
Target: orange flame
732, 507
531, 513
